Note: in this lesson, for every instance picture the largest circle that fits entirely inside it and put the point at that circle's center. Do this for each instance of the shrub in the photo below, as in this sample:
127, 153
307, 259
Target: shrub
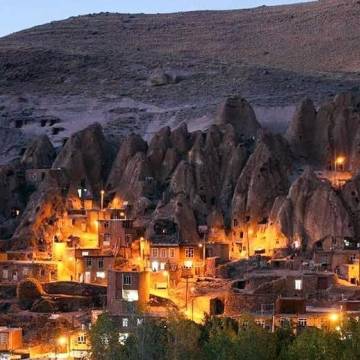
43, 306
28, 291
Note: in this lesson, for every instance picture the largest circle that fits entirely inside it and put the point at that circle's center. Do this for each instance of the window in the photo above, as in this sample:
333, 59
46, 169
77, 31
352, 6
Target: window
154, 252
235, 222
106, 224
122, 338
26, 271
298, 284
125, 322
101, 263
100, 274
302, 322
106, 240
189, 252
128, 239
241, 234
88, 262
139, 322
81, 339
172, 253
84, 253
163, 253
127, 279
155, 266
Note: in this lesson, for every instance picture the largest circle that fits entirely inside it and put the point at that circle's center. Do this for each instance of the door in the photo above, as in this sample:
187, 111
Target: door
87, 277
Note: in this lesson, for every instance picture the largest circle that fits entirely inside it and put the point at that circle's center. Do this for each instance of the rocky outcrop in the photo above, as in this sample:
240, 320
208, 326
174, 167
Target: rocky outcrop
313, 212
239, 113
129, 147
350, 194
40, 154
41, 218
263, 179
334, 130
178, 211
86, 158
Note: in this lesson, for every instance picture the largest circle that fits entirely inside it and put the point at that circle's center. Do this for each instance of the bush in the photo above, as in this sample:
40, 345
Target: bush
43, 306
27, 292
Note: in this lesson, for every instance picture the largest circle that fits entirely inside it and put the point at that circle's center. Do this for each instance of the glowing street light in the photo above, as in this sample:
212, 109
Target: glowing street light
340, 160
102, 192
62, 340
334, 317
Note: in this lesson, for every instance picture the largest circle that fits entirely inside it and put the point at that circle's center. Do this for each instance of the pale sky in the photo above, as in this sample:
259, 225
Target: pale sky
17, 15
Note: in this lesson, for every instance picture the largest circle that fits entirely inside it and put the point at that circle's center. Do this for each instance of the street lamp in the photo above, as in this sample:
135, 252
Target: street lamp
167, 274
62, 341
102, 192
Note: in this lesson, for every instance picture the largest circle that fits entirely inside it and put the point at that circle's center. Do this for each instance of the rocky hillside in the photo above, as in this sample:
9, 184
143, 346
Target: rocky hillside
233, 177
141, 72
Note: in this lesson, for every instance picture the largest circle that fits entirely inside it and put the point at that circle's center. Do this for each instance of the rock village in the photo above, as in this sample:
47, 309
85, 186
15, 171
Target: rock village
228, 221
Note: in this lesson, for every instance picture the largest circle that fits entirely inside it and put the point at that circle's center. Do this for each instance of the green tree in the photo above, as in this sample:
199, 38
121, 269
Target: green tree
148, 342
104, 337
254, 342
315, 344
218, 338
183, 339
351, 340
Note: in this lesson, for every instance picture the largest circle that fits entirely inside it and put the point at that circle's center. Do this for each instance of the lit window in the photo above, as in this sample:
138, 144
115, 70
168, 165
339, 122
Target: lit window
154, 252
189, 252
125, 322
130, 295
85, 253
298, 284
100, 275
172, 253
81, 339
188, 264
122, 338
163, 253
155, 266
5, 274
106, 240
162, 266
127, 279
139, 322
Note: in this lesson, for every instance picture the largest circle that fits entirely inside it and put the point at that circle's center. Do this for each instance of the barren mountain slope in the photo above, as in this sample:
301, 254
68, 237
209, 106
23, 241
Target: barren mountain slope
109, 67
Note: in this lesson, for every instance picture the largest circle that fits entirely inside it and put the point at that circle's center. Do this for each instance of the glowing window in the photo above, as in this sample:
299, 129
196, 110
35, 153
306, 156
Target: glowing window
188, 264
127, 279
298, 284
100, 275
155, 266
125, 322
189, 252
130, 295
81, 339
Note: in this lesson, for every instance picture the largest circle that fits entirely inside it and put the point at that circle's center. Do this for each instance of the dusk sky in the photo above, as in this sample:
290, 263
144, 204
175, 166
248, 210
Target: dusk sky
16, 15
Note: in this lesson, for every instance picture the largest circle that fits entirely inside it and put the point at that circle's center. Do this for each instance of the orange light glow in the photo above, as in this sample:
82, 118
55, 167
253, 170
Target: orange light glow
340, 160
62, 340
334, 316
